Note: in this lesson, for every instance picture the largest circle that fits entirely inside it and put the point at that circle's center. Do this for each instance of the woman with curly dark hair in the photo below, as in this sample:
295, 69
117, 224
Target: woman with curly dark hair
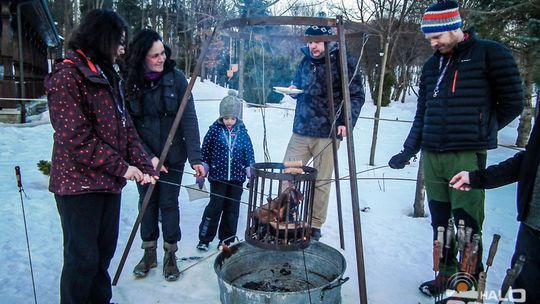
96, 149
154, 92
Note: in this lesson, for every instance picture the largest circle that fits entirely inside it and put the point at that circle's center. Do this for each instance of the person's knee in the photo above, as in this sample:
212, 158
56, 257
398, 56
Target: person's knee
440, 213
86, 263
469, 220
169, 206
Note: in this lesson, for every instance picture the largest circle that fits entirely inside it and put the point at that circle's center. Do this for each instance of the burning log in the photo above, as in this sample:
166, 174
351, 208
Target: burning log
281, 208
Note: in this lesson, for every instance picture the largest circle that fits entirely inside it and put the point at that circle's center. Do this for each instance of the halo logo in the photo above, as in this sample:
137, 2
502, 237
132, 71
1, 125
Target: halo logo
461, 289
462, 282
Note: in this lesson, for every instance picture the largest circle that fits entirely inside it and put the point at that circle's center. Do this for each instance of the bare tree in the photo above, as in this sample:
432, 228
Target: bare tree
385, 19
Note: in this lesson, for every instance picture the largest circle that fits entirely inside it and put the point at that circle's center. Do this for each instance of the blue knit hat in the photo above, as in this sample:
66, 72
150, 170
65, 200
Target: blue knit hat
315, 30
442, 16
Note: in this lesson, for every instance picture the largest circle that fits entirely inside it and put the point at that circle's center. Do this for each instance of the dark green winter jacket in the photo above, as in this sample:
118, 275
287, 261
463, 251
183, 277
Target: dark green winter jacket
479, 94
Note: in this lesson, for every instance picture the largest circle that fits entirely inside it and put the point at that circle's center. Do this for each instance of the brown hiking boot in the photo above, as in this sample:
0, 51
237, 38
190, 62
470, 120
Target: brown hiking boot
170, 268
148, 261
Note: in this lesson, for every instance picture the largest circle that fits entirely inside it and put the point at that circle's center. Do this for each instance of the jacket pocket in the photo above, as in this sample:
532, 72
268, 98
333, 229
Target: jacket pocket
135, 107
170, 100
481, 127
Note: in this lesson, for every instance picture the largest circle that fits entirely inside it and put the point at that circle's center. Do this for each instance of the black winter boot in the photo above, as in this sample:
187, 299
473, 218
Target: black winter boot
148, 261
170, 268
435, 287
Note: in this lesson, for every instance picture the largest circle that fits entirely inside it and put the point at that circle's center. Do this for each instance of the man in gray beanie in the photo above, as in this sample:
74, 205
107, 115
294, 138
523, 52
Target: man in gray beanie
469, 89
313, 123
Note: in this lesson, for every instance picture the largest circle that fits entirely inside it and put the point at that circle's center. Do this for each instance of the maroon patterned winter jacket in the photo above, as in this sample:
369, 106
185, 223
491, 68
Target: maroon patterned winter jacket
93, 146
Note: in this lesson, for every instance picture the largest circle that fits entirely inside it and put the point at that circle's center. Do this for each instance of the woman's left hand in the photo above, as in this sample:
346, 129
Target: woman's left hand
199, 170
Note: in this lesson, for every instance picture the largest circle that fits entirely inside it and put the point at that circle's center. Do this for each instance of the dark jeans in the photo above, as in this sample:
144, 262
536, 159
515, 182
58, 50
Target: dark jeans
528, 244
225, 203
90, 228
164, 199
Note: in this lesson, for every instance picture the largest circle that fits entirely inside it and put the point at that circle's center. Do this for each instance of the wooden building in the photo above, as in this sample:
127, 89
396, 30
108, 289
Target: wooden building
27, 34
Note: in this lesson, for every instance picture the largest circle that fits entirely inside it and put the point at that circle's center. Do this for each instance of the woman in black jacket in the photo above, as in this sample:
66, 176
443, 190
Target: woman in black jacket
154, 92
523, 168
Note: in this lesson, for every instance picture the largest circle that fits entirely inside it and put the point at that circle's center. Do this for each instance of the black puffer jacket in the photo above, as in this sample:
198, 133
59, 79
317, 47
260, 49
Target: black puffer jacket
312, 117
153, 115
522, 168
479, 94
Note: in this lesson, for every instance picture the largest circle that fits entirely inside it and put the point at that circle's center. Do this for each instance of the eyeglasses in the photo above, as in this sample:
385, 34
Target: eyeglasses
122, 43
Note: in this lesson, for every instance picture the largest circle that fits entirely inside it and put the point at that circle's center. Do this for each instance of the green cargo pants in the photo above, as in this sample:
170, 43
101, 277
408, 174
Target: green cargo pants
446, 202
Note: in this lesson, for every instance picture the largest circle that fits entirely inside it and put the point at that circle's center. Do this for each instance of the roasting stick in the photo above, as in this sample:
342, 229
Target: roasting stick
436, 260
482, 276
511, 275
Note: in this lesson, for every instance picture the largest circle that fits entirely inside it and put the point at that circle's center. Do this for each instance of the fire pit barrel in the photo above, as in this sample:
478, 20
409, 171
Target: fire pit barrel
252, 275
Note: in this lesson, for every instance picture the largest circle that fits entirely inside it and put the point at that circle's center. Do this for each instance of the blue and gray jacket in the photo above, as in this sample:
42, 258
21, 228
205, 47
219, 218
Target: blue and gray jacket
227, 152
312, 116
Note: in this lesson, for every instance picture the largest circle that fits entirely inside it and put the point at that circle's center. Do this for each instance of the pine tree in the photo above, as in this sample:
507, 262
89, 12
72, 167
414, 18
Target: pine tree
516, 24
44, 166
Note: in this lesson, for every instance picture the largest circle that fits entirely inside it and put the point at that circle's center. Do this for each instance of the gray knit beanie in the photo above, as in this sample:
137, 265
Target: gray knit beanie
230, 105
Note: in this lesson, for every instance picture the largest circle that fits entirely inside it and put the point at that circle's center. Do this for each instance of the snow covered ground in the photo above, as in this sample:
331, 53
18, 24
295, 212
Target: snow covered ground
397, 247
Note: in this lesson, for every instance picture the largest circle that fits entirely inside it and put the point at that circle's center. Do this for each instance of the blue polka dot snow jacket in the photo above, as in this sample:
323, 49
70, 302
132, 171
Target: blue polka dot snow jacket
227, 152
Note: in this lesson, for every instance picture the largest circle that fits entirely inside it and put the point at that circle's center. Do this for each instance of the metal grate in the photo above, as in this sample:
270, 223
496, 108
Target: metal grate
280, 206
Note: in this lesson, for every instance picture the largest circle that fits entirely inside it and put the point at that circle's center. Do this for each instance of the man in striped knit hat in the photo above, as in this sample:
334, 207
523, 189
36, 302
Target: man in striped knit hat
470, 88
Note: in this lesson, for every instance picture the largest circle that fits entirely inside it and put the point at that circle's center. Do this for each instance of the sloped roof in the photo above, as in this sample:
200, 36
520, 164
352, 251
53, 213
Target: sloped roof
36, 12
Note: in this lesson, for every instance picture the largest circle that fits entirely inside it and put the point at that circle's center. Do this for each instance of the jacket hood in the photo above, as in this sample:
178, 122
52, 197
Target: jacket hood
82, 63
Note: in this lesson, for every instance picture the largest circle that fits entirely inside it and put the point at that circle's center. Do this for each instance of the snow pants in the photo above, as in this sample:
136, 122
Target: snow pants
164, 200
223, 209
320, 150
446, 202
90, 229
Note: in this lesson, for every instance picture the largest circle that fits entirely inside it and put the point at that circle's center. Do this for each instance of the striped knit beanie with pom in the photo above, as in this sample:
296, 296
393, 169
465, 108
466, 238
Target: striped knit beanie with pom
442, 16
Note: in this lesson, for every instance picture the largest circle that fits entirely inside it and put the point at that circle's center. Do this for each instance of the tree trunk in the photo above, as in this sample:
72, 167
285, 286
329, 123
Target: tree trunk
379, 101
68, 22
537, 107
399, 85
241, 62
420, 194
525, 121
403, 84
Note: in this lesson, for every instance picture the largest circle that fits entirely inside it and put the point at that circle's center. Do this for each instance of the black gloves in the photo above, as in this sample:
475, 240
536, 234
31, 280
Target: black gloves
401, 159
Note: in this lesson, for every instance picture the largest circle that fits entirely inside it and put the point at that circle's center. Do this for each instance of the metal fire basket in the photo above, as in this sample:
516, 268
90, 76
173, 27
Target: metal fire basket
280, 206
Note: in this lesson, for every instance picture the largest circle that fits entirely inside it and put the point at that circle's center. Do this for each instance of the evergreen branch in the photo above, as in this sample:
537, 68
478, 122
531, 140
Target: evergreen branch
502, 10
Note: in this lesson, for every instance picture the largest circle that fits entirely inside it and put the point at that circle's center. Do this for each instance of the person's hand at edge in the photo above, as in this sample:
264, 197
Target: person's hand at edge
155, 162
461, 181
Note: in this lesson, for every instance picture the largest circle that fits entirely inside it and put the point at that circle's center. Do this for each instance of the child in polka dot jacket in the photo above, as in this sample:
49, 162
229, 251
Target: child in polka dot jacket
228, 152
